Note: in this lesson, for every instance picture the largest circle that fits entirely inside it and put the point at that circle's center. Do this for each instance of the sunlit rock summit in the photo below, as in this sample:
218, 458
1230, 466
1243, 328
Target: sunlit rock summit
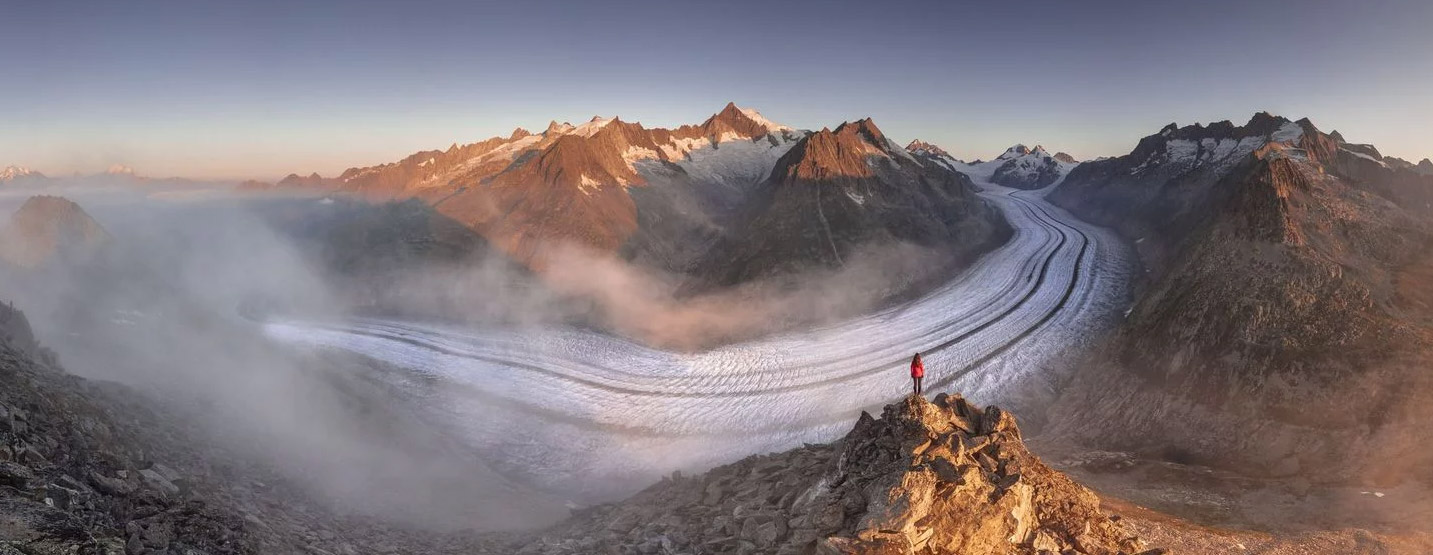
930, 477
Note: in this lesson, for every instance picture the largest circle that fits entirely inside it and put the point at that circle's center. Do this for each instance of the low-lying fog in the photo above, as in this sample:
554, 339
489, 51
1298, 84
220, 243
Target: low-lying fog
173, 305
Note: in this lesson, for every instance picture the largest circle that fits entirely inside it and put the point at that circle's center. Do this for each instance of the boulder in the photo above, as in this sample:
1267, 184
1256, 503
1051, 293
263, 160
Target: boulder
157, 482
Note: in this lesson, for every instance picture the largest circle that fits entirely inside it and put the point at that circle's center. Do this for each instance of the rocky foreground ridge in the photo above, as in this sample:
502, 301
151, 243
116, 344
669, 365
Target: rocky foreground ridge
96, 468
85, 470
928, 477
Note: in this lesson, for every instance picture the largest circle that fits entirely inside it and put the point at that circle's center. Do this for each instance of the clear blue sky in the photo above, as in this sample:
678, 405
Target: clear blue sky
262, 89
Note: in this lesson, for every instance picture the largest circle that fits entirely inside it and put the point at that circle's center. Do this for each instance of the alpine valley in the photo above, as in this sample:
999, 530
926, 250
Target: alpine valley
609, 338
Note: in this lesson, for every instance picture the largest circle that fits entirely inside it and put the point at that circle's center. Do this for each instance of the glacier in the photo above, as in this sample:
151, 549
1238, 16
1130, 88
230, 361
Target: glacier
597, 416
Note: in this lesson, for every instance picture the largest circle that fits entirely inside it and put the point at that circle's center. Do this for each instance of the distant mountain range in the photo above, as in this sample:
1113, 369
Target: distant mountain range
19, 173
734, 198
115, 174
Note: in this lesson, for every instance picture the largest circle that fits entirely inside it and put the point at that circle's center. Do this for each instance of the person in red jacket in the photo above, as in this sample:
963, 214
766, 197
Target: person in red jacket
917, 372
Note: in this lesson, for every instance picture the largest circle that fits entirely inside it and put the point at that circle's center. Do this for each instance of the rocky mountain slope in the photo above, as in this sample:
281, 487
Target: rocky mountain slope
527, 192
675, 199
48, 228
72, 482
922, 148
97, 468
940, 477
1283, 269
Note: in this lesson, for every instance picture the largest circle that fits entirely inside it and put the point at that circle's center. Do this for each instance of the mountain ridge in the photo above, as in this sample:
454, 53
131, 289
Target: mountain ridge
601, 176
1279, 270
586, 168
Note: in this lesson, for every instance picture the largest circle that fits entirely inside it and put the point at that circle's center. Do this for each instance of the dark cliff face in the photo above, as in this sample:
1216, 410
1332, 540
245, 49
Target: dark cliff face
1279, 261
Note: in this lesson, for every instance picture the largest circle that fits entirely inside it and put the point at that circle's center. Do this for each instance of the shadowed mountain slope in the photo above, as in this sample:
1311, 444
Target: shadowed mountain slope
1283, 273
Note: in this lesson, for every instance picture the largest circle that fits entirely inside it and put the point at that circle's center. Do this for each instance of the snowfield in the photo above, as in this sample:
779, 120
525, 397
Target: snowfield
598, 416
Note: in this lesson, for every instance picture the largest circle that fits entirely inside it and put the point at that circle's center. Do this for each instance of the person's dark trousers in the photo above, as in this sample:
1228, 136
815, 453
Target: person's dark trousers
918, 385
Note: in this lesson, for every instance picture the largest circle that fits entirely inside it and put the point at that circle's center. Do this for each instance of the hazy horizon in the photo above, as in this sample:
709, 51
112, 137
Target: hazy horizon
263, 89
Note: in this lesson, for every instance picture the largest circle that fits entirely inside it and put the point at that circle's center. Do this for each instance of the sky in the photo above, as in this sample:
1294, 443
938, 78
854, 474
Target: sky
259, 89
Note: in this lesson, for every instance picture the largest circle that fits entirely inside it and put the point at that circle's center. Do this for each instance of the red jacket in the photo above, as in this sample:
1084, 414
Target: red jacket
917, 369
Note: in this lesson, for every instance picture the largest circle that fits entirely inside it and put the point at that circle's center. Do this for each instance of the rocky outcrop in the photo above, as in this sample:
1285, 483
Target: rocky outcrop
921, 147
1278, 268
942, 477
47, 229
1424, 167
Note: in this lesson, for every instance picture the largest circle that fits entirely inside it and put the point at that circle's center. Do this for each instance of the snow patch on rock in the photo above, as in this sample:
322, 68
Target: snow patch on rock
1289, 132
592, 127
756, 116
17, 172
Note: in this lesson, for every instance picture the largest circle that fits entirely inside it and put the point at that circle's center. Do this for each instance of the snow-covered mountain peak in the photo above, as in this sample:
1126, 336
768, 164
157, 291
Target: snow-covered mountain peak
921, 147
1022, 167
746, 121
1288, 132
592, 126
119, 169
756, 116
17, 172
554, 129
